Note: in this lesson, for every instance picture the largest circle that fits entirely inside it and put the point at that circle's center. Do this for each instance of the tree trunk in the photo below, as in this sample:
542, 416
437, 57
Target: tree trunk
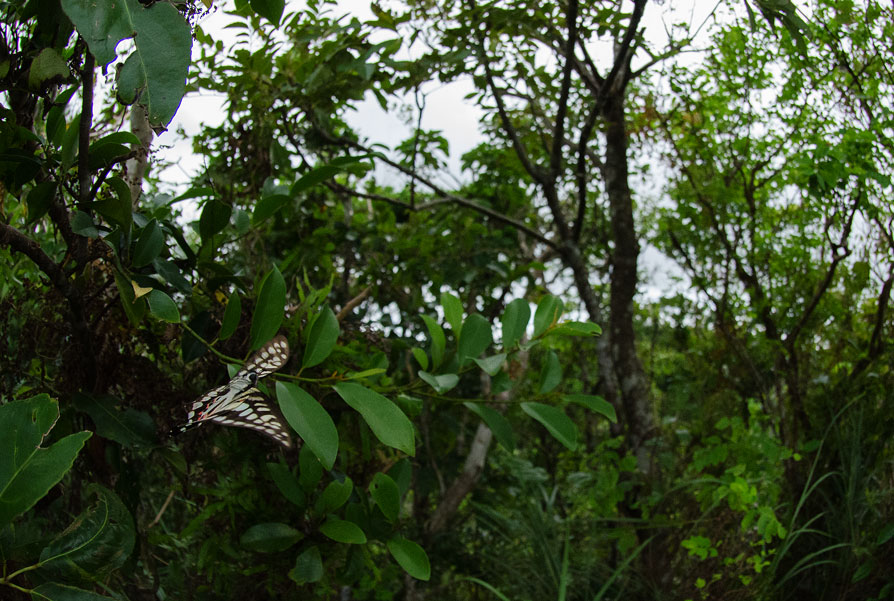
631, 378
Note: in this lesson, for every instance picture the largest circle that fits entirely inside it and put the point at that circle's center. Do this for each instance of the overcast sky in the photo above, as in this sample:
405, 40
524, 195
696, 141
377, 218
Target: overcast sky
446, 110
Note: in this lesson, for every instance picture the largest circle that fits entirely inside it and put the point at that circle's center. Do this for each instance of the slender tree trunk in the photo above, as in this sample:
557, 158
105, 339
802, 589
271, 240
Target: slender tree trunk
628, 369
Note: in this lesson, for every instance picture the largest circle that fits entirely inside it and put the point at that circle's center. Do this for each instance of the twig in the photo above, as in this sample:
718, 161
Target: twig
351, 304
161, 511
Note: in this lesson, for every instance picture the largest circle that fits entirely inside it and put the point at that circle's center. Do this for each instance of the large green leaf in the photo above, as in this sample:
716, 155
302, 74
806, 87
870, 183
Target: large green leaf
155, 72
215, 217
555, 421
515, 321
98, 542
232, 315
128, 427
148, 245
385, 494
321, 338
308, 566
270, 537
476, 336
334, 496
163, 306
498, 424
441, 382
384, 418
343, 531
312, 423
269, 309
411, 557
453, 312
269, 9
549, 309
438, 340
550, 373
27, 470
595, 403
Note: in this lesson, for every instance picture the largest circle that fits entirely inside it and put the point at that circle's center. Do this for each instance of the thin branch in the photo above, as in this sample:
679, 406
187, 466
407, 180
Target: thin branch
446, 198
161, 511
352, 304
555, 159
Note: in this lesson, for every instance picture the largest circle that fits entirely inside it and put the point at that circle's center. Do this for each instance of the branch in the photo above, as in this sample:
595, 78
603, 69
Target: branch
351, 304
555, 158
446, 198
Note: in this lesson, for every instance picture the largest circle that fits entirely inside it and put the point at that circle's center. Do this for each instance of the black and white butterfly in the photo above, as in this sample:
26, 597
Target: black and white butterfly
239, 403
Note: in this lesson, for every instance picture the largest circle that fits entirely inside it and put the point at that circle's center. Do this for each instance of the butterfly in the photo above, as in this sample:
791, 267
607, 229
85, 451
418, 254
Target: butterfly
239, 403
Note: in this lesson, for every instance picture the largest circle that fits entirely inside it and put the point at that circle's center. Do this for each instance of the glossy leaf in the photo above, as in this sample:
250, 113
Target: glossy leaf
515, 321
312, 423
441, 383
321, 338
549, 309
383, 417
385, 495
596, 404
453, 312
498, 424
491, 365
577, 328
269, 310
163, 306
27, 470
411, 557
334, 496
342, 531
270, 537
475, 338
438, 340
555, 421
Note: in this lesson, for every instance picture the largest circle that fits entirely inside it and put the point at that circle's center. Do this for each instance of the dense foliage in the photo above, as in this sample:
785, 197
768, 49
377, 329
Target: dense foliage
486, 404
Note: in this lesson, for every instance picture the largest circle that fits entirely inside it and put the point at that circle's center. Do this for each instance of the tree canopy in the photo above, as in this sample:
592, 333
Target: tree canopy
483, 400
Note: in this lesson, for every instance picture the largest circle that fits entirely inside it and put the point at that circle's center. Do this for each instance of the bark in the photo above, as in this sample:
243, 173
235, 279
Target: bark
136, 167
628, 368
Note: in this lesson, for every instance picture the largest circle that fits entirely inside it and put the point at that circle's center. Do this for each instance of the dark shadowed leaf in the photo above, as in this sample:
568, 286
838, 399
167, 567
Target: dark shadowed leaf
269, 309
555, 421
308, 566
27, 470
270, 537
411, 557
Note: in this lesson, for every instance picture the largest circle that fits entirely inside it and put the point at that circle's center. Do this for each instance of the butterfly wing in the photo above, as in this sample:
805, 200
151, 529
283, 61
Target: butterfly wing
239, 403
256, 412
267, 360
249, 409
